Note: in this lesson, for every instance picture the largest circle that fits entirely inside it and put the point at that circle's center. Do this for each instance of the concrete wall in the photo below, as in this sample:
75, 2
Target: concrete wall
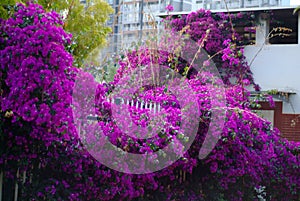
276, 67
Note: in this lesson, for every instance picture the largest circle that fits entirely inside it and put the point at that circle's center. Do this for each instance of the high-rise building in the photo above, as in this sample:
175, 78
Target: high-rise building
133, 20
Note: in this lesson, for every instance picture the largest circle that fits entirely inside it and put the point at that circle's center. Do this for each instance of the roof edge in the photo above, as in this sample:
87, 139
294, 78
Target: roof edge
165, 14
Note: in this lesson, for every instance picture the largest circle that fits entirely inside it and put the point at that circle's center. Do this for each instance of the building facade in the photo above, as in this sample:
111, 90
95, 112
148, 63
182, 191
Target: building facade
133, 20
276, 68
238, 4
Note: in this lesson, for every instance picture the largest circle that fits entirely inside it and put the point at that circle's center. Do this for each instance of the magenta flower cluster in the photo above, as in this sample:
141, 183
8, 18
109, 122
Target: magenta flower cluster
217, 36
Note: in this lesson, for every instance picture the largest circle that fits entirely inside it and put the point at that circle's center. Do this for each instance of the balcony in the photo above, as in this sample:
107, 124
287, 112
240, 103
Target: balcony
233, 4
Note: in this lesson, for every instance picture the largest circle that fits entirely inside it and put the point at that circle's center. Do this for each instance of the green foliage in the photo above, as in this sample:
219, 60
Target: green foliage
296, 10
6, 8
85, 22
105, 72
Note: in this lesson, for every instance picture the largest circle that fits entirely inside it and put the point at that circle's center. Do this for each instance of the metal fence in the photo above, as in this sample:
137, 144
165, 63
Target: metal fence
9, 189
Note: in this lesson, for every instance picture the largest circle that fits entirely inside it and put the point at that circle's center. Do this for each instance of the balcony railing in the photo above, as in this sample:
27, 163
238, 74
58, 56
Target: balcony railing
232, 4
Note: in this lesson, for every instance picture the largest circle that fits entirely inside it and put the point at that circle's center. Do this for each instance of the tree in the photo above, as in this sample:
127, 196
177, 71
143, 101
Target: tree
296, 10
6, 8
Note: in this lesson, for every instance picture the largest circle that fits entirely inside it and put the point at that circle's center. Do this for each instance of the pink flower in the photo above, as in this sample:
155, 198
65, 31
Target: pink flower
169, 8
214, 167
206, 63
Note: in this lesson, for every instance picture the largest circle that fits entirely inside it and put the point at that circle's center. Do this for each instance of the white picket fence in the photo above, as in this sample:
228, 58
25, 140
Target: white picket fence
139, 104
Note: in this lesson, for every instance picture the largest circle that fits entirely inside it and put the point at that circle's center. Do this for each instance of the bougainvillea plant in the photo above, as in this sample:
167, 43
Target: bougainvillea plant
223, 43
40, 145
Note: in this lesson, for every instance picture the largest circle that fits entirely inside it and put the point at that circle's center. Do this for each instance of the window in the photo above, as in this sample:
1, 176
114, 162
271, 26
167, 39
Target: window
283, 27
247, 33
246, 30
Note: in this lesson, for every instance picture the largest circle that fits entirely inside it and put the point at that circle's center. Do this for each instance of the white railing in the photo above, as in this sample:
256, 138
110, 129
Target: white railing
220, 4
138, 104
153, 107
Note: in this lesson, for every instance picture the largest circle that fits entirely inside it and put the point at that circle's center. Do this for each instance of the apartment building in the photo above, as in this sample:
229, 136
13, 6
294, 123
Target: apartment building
133, 20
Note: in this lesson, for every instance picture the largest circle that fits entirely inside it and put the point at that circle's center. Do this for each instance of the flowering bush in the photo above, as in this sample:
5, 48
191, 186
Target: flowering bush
40, 144
216, 34
246, 157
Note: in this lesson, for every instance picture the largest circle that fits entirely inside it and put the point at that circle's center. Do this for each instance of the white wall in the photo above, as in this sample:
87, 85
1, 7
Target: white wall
277, 67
